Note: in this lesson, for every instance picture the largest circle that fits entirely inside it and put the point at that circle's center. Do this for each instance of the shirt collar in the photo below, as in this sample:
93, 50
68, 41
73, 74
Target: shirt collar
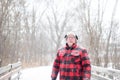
72, 47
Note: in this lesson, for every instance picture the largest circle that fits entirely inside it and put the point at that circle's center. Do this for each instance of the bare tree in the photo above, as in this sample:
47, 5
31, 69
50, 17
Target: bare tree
93, 29
10, 23
57, 28
110, 33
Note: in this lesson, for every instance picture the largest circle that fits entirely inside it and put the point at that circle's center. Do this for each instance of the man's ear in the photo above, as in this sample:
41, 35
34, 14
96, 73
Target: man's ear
76, 37
65, 36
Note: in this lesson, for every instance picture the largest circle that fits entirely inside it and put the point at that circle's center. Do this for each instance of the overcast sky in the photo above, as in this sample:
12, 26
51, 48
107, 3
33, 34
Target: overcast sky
65, 5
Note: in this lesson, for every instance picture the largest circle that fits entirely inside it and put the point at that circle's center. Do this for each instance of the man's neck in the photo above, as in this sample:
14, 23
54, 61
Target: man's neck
70, 45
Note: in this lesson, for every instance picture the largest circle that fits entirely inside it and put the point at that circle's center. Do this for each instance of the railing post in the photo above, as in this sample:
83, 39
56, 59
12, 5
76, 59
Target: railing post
0, 62
10, 71
19, 73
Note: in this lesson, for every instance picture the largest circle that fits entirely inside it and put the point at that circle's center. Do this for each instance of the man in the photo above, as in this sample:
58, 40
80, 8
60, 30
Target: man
71, 61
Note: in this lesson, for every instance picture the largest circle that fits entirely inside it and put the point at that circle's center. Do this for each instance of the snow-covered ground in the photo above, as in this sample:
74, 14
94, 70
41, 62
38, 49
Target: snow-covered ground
43, 73
38, 73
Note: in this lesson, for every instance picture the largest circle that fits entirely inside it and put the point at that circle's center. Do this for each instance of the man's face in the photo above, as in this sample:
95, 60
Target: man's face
70, 39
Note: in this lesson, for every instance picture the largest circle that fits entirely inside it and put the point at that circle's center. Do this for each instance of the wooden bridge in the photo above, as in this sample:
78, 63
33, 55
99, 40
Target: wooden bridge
98, 73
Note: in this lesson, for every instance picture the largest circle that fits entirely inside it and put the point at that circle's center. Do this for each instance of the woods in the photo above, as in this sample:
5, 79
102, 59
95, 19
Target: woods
34, 35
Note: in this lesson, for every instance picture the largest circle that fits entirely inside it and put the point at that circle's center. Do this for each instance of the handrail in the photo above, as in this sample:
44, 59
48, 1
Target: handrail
5, 69
106, 73
8, 71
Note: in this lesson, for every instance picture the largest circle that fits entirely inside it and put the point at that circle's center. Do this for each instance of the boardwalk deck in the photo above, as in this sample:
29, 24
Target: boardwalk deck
40, 73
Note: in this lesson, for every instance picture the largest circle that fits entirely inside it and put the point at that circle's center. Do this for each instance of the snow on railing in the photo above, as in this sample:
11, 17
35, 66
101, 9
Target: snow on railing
101, 73
9, 72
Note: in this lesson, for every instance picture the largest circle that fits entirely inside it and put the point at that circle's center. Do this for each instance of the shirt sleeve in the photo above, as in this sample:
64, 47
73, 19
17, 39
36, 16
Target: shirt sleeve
86, 66
55, 68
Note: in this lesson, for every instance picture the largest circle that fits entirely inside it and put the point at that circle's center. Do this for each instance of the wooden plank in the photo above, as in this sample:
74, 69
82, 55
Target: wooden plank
100, 69
15, 65
5, 69
113, 71
6, 76
106, 71
99, 77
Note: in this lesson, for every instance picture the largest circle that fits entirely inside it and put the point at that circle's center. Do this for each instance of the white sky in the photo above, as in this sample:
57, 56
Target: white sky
65, 5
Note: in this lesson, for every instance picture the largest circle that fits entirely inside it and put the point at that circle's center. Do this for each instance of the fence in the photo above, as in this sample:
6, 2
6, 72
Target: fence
10, 72
105, 73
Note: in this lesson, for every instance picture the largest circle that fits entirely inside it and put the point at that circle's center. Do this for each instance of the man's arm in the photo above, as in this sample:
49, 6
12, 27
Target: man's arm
55, 68
86, 66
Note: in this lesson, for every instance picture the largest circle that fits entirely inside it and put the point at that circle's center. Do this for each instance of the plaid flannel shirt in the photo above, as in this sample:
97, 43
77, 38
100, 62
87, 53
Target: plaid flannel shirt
73, 63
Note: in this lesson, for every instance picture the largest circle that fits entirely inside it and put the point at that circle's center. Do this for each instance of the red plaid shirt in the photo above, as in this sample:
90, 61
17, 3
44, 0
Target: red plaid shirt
73, 64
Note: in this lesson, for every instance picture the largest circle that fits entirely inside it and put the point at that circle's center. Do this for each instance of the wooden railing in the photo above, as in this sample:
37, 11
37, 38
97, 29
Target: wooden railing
100, 73
10, 72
